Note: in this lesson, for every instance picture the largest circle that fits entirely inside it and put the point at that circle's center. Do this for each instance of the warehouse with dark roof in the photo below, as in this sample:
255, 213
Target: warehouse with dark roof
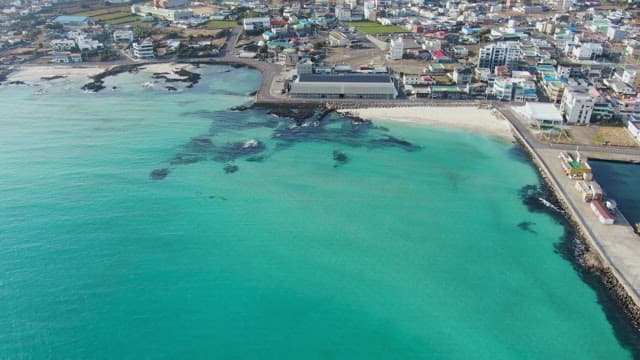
344, 86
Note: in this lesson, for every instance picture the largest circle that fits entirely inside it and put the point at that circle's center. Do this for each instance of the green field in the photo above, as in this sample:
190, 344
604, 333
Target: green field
221, 24
105, 11
370, 27
112, 16
129, 19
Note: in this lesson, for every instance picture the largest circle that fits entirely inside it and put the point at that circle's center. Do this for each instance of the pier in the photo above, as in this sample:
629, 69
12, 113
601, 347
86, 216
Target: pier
617, 247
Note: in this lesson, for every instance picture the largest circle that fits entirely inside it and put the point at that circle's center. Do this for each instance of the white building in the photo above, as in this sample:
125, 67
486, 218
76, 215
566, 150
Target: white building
585, 51
337, 38
631, 76
343, 12
396, 48
577, 106
501, 53
432, 44
259, 23
63, 44
123, 35
167, 14
634, 128
540, 114
88, 44
144, 49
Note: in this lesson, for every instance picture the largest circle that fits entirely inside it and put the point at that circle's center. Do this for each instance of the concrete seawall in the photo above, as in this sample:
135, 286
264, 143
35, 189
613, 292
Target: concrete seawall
596, 258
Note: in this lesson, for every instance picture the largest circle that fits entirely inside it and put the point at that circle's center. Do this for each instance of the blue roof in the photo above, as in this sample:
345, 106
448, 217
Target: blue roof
71, 19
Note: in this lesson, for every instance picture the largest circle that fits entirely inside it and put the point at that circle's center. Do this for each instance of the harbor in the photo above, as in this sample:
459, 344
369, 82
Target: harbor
614, 248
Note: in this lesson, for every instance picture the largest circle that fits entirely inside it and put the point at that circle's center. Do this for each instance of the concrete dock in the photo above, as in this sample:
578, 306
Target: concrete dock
617, 246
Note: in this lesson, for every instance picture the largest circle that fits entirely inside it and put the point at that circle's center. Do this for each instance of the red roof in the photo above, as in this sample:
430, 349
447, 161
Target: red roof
440, 53
601, 209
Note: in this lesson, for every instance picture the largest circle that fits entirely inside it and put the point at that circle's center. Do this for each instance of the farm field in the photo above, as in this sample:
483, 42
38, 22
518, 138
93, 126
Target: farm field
111, 16
370, 27
221, 24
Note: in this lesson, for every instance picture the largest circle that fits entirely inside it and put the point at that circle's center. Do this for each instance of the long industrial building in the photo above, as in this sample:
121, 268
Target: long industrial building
347, 86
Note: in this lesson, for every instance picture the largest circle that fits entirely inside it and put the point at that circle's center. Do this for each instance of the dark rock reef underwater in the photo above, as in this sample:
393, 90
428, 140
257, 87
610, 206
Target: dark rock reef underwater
287, 126
97, 81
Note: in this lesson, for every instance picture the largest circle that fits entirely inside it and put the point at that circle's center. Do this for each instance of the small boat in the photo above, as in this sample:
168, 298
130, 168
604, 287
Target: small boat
148, 84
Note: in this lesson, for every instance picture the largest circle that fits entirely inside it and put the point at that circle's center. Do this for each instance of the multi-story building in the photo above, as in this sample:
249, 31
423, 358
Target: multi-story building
510, 89
502, 53
123, 35
577, 106
143, 49
631, 76
396, 49
170, 4
259, 23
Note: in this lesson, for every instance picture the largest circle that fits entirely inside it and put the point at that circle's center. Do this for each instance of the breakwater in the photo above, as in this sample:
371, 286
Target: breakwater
590, 253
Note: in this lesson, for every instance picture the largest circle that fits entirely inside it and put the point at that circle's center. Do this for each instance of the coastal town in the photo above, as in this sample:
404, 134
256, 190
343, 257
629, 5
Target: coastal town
565, 74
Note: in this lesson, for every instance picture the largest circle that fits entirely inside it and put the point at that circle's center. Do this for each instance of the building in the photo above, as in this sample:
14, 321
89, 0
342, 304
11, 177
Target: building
337, 38
540, 114
343, 13
577, 106
63, 44
631, 76
512, 89
462, 75
575, 169
166, 14
354, 86
502, 53
585, 51
396, 48
590, 190
123, 35
144, 49
170, 4
602, 213
256, 23
304, 67
74, 20
634, 128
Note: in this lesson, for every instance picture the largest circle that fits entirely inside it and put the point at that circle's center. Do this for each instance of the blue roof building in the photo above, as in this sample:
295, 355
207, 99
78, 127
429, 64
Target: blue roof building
74, 20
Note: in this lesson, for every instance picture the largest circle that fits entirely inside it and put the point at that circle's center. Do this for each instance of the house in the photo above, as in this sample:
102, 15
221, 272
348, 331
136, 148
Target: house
123, 35
462, 75
256, 23
143, 49
63, 44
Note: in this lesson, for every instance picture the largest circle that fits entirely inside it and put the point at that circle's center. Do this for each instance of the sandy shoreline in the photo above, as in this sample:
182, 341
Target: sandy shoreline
33, 73
466, 118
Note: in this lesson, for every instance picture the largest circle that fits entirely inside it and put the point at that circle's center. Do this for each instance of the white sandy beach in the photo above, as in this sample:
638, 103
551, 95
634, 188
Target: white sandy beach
34, 73
468, 118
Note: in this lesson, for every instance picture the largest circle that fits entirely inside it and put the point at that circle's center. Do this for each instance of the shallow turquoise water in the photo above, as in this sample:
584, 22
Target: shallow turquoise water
401, 252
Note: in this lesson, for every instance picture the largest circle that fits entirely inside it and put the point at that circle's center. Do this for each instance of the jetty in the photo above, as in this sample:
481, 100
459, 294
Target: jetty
614, 248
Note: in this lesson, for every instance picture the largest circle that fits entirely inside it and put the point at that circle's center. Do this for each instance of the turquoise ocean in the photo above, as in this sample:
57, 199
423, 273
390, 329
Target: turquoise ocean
330, 240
